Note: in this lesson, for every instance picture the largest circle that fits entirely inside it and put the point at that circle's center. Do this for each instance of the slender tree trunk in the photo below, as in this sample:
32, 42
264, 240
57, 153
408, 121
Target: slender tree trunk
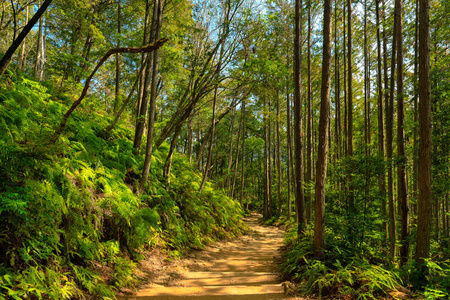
415, 176
22, 51
309, 174
148, 82
279, 154
38, 66
190, 136
144, 61
289, 148
230, 157
266, 162
401, 168
211, 141
322, 159
236, 162
241, 198
389, 144
153, 96
117, 90
382, 176
424, 217
298, 132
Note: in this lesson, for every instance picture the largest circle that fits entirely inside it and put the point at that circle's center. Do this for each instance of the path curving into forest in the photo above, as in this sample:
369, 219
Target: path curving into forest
242, 269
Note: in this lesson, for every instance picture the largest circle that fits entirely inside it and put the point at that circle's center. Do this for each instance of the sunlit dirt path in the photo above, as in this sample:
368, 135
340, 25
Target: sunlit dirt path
241, 269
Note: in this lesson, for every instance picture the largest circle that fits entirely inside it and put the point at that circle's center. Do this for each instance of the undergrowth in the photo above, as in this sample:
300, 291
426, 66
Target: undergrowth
349, 274
71, 223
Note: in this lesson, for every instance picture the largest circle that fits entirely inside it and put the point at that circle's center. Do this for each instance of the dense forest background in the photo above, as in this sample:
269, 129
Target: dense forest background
132, 124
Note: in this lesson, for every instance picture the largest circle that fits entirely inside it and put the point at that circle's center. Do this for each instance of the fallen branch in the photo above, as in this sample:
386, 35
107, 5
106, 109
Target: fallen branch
144, 49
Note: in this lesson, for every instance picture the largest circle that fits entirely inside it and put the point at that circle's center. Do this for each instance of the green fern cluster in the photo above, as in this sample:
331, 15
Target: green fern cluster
70, 222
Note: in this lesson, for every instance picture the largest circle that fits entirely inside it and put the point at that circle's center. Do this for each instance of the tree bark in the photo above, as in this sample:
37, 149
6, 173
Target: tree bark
322, 158
402, 189
309, 174
382, 176
279, 155
241, 198
117, 90
153, 96
298, 130
424, 217
389, 144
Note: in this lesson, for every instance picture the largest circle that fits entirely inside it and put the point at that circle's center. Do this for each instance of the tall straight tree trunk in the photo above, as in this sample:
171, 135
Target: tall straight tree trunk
230, 157
117, 90
298, 132
38, 66
415, 185
144, 61
236, 162
148, 81
289, 151
382, 176
337, 121
389, 144
190, 137
270, 169
309, 174
424, 217
241, 198
350, 93
266, 161
153, 95
322, 159
22, 50
401, 168
279, 154
344, 54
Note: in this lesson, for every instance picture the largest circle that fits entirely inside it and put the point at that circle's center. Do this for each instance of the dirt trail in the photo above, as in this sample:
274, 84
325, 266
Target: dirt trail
242, 269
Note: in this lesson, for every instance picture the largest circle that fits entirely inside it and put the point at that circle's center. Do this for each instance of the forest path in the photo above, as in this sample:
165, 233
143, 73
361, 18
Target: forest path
242, 269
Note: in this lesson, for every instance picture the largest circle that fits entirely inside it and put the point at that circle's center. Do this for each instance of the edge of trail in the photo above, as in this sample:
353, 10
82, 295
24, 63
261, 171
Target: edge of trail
244, 268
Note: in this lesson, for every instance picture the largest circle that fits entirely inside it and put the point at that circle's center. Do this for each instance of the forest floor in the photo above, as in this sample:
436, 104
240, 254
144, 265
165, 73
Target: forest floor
244, 268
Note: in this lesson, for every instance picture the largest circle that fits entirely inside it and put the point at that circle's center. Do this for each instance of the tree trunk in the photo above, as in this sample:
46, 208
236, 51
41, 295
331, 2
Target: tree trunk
279, 154
241, 198
322, 159
6, 59
309, 174
230, 156
401, 168
389, 145
424, 217
266, 162
153, 96
382, 176
117, 90
148, 82
298, 132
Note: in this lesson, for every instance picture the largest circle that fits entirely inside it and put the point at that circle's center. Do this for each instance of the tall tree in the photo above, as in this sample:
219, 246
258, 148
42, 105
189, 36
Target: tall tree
322, 158
424, 217
401, 168
159, 4
380, 93
298, 128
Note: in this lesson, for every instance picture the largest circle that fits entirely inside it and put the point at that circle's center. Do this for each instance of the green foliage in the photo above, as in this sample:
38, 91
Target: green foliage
70, 222
355, 276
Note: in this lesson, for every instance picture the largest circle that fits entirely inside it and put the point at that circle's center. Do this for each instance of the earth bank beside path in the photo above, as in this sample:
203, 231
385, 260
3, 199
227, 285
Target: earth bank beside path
242, 269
